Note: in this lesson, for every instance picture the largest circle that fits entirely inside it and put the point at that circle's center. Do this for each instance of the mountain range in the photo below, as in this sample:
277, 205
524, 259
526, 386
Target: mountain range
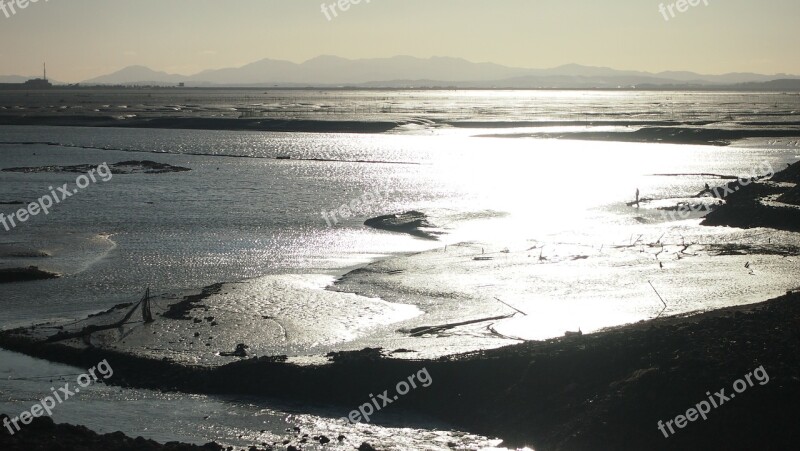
407, 72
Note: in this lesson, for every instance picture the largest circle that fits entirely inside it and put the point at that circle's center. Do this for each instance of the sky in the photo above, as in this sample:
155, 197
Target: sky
81, 39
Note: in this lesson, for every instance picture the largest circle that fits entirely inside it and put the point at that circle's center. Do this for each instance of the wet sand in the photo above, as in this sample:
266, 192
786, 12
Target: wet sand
682, 134
675, 132
206, 123
607, 389
602, 390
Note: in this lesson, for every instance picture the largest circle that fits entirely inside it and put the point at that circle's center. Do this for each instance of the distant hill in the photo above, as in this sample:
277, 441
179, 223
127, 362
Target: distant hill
331, 70
407, 71
773, 85
137, 75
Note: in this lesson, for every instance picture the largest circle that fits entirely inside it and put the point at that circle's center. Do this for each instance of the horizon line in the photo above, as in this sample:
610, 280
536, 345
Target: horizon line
667, 71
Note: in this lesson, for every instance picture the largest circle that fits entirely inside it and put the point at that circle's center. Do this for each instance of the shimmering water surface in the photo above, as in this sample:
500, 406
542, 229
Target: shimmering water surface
242, 215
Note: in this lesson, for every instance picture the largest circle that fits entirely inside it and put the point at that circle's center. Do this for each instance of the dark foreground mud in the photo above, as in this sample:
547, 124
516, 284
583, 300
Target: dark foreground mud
591, 392
43, 434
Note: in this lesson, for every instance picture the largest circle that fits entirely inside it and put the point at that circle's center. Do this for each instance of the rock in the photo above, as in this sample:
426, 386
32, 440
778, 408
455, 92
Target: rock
366, 447
412, 222
241, 351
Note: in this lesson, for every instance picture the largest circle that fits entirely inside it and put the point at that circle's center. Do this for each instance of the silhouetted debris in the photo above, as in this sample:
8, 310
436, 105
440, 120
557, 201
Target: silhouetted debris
752, 249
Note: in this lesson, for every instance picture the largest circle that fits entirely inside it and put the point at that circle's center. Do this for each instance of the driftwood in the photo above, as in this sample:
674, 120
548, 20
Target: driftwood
659, 297
418, 331
88, 330
511, 306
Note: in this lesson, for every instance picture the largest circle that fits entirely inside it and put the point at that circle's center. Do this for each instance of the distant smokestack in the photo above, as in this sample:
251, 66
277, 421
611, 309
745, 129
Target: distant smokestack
45, 71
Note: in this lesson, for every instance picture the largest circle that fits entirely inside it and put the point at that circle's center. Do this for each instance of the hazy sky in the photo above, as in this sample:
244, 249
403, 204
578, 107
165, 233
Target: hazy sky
81, 39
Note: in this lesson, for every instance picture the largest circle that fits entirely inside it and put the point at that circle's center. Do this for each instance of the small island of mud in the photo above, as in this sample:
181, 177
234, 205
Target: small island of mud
123, 168
690, 132
772, 203
16, 251
412, 222
11, 275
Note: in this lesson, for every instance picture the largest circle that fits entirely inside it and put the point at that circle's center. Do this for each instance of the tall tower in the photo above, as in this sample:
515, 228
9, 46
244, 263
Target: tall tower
44, 65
